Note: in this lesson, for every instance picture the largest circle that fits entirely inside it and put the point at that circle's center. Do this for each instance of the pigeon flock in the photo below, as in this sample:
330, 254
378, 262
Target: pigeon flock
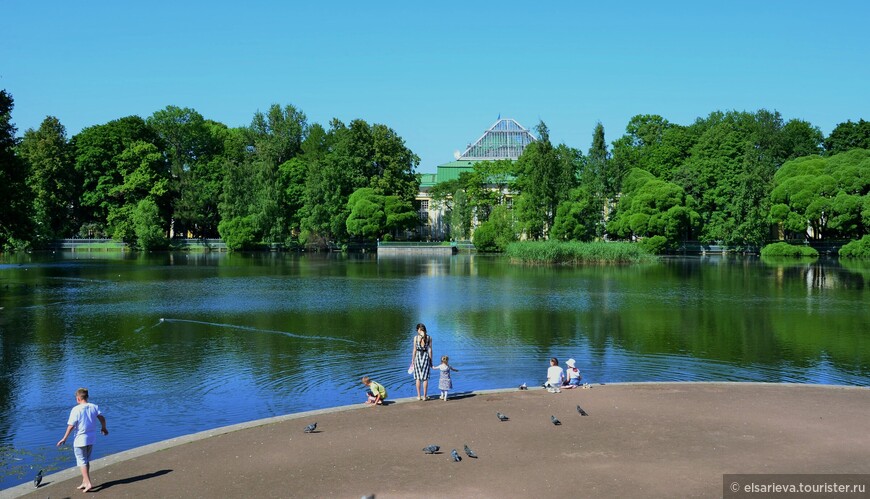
429, 449
433, 449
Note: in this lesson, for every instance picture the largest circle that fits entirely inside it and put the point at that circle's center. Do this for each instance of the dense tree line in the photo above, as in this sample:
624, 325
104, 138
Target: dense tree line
734, 178
738, 178
278, 180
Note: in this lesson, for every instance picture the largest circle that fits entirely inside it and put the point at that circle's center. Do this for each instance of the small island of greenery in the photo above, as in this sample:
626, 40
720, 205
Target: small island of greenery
574, 252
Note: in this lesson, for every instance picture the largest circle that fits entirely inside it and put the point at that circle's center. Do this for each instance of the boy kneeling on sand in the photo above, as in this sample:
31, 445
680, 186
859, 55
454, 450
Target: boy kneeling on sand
376, 391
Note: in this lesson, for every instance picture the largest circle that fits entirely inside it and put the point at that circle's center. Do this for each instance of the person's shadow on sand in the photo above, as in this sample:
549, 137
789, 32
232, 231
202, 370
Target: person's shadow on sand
132, 479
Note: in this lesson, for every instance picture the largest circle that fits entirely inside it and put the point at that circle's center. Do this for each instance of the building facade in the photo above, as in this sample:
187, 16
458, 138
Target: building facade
505, 139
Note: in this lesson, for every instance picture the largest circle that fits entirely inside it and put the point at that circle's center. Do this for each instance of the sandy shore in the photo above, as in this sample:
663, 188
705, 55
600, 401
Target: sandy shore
638, 440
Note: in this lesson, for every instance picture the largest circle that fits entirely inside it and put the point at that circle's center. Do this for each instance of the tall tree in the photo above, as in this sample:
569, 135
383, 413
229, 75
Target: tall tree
544, 177
277, 135
14, 222
193, 148
848, 135
145, 176
355, 156
596, 175
54, 185
97, 152
800, 138
653, 144
579, 217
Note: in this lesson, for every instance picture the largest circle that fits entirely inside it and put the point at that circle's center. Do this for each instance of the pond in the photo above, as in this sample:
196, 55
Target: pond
171, 344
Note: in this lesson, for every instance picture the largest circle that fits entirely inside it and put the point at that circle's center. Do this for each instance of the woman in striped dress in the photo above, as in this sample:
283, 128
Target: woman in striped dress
421, 358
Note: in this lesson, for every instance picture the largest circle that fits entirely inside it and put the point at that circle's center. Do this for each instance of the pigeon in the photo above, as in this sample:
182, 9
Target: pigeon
501, 416
38, 479
310, 428
555, 421
431, 449
524, 387
455, 455
470, 452
581, 411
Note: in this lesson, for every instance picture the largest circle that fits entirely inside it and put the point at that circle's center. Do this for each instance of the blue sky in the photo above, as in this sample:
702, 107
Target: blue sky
438, 73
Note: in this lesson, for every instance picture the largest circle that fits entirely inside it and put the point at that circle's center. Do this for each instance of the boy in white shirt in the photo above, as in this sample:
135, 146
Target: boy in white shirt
83, 418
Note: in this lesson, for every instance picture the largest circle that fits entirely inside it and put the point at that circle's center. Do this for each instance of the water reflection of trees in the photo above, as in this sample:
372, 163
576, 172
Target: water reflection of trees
724, 311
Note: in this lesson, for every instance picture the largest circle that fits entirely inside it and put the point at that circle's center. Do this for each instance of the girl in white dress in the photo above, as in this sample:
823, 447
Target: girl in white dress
445, 384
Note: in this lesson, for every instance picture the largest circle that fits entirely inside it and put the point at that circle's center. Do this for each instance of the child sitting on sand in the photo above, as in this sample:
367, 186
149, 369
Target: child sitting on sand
376, 391
573, 375
555, 376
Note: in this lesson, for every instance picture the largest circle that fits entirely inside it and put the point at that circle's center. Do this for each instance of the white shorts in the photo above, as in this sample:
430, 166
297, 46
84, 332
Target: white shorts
83, 455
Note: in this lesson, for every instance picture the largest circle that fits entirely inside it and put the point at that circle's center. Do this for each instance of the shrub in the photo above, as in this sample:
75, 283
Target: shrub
484, 238
655, 245
856, 249
496, 233
788, 250
238, 233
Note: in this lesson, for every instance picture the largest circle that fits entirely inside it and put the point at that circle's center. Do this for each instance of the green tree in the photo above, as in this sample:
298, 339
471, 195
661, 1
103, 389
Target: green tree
354, 157
544, 177
460, 216
652, 207
730, 171
367, 218
194, 150
653, 144
14, 220
847, 136
373, 215
238, 233
97, 152
277, 136
145, 176
291, 180
800, 138
497, 232
149, 226
577, 218
823, 197
391, 168
400, 213
596, 175
54, 185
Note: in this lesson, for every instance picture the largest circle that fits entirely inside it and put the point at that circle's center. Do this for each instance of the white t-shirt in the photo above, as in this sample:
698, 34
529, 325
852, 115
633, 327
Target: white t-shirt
84, 418
573, 372
555, 375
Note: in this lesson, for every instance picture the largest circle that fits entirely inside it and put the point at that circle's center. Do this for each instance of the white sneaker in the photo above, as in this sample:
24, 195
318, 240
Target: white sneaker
551, 390
558, 390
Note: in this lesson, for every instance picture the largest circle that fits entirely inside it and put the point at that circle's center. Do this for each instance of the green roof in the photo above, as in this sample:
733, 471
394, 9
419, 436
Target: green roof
451, 170
427, 179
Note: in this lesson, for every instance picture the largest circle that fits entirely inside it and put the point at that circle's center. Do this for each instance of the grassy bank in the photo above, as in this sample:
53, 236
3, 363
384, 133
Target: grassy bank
547, 252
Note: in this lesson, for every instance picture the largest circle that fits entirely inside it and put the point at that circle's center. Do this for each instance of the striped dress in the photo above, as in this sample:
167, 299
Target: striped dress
422, 361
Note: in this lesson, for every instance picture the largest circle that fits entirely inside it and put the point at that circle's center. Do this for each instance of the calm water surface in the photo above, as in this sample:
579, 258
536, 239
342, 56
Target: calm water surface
176, 343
